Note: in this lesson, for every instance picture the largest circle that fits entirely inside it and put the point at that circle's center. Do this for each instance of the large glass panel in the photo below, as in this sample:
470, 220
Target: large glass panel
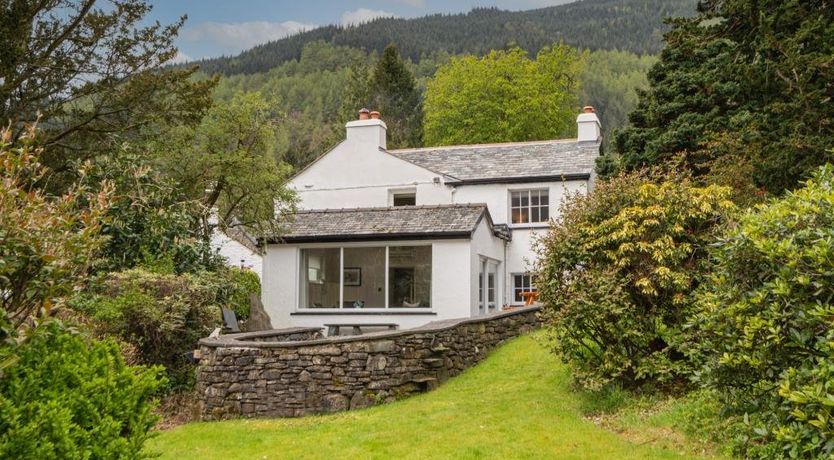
320, 278
481, 290
409, 277
491, 289
364, 279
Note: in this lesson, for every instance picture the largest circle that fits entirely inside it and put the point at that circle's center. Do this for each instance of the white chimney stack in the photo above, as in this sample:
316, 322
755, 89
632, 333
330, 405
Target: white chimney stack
367, 130
588, 127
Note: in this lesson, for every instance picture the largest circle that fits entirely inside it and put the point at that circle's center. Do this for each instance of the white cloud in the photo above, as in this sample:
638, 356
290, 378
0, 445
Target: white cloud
413, 3
363, 15
230, 37
180, 58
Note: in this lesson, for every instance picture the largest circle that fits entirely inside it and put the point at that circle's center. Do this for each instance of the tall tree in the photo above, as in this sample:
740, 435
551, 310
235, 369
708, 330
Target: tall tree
393, 91
504, 96
228, 163
92, 73
743, 85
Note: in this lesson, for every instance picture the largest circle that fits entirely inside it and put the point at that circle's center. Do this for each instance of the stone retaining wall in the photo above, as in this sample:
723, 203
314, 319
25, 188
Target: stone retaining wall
272, 374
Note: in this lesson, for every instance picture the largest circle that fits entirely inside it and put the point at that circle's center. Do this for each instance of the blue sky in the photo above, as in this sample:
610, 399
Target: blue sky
217, 27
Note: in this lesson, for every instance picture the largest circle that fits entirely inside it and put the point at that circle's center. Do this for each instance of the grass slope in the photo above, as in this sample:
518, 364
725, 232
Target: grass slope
516, 404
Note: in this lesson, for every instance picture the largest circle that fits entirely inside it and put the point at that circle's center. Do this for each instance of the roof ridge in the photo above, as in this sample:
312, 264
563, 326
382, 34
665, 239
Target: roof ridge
390, 208
488, 145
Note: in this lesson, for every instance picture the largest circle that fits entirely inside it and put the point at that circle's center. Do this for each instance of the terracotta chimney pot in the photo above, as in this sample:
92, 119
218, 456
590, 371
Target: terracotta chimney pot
363, 114
375, 115
588, 109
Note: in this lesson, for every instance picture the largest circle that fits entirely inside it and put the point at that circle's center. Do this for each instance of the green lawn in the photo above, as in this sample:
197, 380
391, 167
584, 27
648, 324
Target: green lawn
516, 404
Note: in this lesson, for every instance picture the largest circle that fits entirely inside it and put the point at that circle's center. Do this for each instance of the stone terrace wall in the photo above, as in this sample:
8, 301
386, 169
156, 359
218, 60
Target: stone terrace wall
250, 375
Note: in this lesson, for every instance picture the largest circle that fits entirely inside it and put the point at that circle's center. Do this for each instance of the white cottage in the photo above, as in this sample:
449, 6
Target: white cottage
398, 238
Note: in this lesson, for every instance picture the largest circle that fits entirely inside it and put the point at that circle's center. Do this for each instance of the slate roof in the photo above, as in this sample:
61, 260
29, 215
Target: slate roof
510, 162
385, 223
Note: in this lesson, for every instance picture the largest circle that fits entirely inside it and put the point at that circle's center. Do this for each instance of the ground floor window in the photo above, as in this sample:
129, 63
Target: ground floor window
366, 277
522, 282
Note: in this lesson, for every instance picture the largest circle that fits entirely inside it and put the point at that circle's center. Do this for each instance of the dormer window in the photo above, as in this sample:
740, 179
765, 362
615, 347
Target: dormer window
529, 206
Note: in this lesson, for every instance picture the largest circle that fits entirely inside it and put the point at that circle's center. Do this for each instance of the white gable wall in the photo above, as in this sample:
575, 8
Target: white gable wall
353, 175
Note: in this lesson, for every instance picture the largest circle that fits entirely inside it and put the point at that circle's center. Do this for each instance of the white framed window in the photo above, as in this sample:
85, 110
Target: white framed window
529, 206
522, 282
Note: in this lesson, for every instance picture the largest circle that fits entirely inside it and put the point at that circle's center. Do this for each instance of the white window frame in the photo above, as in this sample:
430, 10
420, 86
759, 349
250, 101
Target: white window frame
401, 191
529, 207
531, 286
487, 267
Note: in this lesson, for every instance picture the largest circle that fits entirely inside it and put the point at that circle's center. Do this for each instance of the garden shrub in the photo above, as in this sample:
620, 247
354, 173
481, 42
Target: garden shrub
46, 242
242, 282
615, 274
63, 396
764, 324
162, 316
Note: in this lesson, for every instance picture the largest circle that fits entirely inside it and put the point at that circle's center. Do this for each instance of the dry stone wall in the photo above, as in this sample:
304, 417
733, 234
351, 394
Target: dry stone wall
292, 373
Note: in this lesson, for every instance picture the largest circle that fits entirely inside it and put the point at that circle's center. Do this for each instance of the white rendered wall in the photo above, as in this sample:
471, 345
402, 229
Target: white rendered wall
371, 196
354, 175
236, 254
520, 254
485, 246
450, 285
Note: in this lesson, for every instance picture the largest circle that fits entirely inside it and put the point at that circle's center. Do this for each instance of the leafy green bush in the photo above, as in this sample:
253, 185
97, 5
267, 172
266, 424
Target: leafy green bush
764, 323
615, 275
150, 223
46, 242
62, 396
242, 284
161, 316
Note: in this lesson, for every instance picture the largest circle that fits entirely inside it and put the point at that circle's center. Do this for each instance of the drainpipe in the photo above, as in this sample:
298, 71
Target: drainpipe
506, 281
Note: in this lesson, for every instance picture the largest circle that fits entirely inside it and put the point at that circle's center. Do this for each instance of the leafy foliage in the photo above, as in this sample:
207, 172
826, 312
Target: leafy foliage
241, 284
503, 97
161, 316
228, 165
616, 271
632, 25
763, 325
46, 242
63, 396
91, 72
149, 222
758, 72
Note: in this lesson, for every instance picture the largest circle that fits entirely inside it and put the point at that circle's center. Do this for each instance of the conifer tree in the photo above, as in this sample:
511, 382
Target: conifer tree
744, 88
392, 90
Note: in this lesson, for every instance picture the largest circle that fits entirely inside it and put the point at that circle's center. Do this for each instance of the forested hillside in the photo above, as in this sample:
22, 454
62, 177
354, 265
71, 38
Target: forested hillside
626, 25
309, 95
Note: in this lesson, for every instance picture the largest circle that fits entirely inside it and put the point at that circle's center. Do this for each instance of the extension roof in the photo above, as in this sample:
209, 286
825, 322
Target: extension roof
387, 223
